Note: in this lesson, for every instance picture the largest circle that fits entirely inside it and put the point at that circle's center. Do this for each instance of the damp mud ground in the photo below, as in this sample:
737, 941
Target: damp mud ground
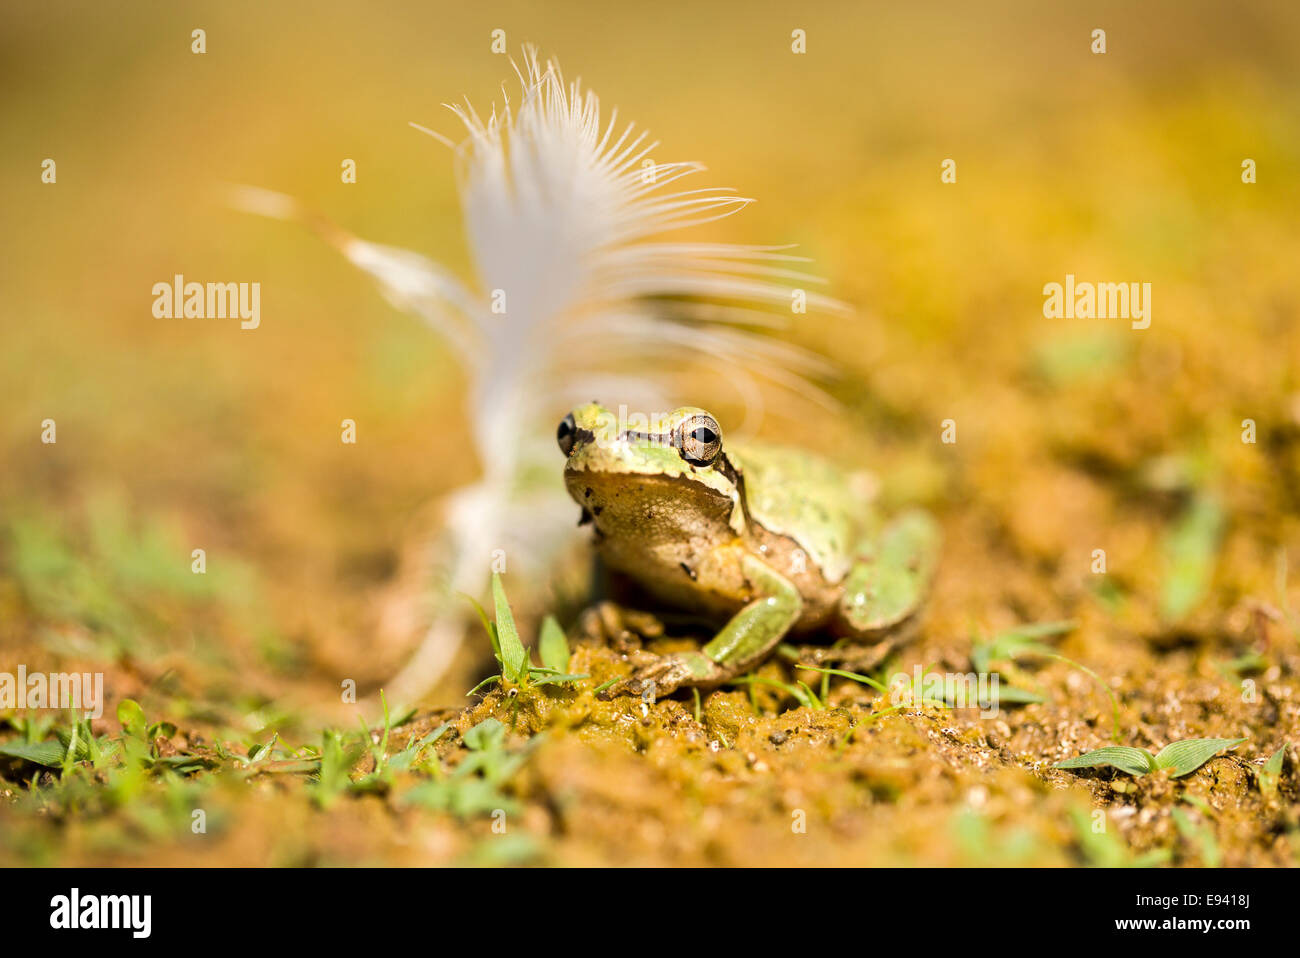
560, 776
1139, 487
211, 768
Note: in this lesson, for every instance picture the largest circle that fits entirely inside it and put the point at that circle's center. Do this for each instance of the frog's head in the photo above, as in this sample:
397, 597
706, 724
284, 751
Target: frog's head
638, 475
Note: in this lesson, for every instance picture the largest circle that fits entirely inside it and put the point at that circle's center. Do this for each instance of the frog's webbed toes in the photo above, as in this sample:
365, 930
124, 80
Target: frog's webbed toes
658, 675
854, 656
620, 628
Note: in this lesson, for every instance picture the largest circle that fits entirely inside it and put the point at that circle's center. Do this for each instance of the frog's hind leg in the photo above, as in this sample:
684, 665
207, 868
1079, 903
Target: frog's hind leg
889, 581
742, 643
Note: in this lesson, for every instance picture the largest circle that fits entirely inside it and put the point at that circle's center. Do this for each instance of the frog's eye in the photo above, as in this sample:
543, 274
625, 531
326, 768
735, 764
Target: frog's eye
698, 440
565, 433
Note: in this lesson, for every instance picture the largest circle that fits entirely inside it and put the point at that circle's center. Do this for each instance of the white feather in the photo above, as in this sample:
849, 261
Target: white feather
565, 226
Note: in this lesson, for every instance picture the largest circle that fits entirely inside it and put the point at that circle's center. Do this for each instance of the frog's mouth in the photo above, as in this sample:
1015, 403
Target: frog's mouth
618, 505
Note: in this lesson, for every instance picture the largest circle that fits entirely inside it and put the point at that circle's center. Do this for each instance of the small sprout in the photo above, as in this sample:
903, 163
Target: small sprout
1066, 359
433, 737
1134, 761
333, 776
516, 667
1191, 548
487, 735
473, 787
1271, 774
71, 745
1200, 835
1182, 758
1190, 754
131, 717
1105, 849
1010, 645
1251, 663
412, 756
262, 752
81, 745
1005, 646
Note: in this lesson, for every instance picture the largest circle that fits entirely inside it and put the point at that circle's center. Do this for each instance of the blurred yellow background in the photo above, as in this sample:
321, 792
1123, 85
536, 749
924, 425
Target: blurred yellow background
1123, 166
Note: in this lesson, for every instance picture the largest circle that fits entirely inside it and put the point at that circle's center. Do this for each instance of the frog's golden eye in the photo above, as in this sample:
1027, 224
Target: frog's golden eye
565, 433
698, 440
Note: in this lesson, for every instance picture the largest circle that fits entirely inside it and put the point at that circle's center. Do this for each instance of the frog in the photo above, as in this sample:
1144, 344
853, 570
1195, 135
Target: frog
771, 541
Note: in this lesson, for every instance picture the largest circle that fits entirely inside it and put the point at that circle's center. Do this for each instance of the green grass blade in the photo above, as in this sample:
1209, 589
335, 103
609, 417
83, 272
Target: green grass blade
552, 646
490, 678
1191, 549
1011, 695
855, 676
1039, 630
488, 627
812, 700
550, 678
800, 693
1015, 641
514, 660
70, 756
1110, 693
1200, 835
486, 736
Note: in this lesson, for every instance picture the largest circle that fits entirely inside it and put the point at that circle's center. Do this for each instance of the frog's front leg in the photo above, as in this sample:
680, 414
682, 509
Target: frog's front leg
743, 642
891, 577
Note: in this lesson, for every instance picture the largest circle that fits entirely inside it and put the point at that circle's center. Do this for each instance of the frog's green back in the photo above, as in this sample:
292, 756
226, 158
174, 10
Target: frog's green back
795, 493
